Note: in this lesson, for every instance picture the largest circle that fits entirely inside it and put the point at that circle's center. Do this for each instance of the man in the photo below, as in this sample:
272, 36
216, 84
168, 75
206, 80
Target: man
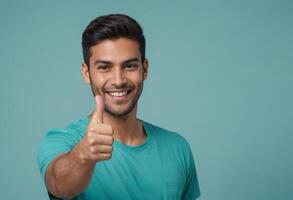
111, 154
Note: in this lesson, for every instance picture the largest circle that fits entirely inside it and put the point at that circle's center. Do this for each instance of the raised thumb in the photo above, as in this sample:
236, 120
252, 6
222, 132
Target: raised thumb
98, 114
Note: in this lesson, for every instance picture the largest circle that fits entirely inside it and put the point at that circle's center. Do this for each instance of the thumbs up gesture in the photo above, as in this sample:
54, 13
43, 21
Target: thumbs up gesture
97, 142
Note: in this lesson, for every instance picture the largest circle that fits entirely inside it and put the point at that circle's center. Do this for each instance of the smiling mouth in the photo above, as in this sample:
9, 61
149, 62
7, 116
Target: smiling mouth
118, 93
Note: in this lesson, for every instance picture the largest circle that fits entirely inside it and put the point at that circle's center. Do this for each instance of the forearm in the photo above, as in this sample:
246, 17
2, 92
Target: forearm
68, 175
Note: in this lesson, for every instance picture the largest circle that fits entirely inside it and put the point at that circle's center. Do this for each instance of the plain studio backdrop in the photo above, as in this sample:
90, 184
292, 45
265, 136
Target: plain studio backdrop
220, 74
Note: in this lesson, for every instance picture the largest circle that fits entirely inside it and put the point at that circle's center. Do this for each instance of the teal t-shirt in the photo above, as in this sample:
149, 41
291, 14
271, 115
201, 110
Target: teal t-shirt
160, 168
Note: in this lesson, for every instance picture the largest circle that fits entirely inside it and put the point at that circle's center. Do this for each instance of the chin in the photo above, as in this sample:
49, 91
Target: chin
120, 111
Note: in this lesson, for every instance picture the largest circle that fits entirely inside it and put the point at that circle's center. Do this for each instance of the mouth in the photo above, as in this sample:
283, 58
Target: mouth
119, 94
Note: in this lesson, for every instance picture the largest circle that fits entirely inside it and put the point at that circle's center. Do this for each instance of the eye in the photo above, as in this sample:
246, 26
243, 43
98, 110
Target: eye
130, 66
103, 67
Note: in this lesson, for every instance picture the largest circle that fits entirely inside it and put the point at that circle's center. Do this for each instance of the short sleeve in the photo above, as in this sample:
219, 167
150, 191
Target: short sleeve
191, 190
55, 143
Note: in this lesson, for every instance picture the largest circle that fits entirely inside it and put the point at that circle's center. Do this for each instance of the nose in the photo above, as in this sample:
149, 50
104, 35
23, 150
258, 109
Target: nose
118, 77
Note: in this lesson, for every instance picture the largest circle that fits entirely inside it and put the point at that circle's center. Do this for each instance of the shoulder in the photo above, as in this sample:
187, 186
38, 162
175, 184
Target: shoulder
63, 138
74, 130
58, 141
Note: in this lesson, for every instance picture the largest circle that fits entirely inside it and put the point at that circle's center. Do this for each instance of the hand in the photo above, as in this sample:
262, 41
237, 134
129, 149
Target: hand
97, 142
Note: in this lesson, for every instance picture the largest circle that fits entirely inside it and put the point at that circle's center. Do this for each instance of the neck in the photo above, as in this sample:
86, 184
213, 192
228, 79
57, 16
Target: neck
126, 128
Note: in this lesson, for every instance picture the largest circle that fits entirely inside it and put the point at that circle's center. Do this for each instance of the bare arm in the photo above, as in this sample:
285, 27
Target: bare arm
70, 173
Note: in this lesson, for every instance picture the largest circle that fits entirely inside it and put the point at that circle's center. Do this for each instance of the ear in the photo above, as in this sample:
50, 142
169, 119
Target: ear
145, 66
85, 73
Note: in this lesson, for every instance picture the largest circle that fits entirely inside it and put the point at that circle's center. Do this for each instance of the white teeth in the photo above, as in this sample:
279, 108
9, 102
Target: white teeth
118, 94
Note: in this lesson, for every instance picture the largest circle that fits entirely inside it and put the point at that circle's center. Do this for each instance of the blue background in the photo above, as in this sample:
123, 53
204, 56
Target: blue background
220, 74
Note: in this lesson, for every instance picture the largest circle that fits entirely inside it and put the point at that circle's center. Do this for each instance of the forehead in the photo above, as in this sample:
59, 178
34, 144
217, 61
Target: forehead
116, 50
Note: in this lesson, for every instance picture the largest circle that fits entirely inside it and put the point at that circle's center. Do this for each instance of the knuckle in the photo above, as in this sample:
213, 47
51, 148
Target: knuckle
88, 134
91, 129
92, 149
91, 141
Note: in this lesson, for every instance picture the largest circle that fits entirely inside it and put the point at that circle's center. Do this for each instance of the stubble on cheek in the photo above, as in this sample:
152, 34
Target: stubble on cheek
95, 90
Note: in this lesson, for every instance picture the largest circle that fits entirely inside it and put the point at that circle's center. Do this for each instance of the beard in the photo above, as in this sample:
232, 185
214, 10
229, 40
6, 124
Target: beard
124, 112
131, 105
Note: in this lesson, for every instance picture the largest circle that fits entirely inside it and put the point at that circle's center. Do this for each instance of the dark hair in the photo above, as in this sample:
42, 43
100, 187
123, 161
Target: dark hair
111, 27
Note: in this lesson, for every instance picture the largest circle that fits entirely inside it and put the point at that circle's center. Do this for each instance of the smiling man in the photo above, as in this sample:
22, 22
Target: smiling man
111, 154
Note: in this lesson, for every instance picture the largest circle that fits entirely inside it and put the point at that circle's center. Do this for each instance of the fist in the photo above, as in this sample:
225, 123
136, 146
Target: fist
97, 142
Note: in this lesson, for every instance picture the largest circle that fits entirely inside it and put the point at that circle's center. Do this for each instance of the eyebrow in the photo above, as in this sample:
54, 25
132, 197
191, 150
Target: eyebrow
99, 61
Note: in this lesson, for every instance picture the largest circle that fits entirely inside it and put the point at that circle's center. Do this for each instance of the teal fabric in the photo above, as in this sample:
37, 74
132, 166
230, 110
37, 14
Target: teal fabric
161, 168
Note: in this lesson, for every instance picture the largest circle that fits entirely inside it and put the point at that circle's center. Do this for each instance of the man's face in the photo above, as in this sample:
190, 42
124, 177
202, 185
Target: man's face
117, 74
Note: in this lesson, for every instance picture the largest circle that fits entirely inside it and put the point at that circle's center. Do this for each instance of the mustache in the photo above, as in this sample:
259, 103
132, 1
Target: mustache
124, 86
